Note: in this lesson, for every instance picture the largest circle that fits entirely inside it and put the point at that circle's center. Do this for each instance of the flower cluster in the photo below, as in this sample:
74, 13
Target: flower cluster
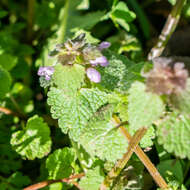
78, 51
167, 79
46, 72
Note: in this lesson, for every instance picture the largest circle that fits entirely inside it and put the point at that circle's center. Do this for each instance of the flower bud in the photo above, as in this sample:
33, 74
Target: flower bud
46, 72
167, 79
100, 60
104, 45
93, 75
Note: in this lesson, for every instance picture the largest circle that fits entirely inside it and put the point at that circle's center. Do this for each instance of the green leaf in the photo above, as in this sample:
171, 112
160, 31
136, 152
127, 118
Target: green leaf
59, 163
120, 73
33, 141
181, 101
122, 15
92, 180
19, 180
69, 78
173, 2
3, 13
83, 5
21, 70
174, 134
144, 108
141, 16
173, 166
101, 138
55, 186
5, 82
15, 182
147, 140
88, 37
73, 111
86, 21
9, 160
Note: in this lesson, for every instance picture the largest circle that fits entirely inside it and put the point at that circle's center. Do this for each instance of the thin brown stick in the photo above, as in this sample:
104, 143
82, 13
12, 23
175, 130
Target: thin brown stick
6, 111
49, 182
144, 159
10, 112
122, 162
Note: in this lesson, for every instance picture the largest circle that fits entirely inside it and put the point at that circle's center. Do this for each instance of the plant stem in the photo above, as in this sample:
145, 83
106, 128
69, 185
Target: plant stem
30, 18
63, 29
144, 159
168, 30
49, 182
122, 162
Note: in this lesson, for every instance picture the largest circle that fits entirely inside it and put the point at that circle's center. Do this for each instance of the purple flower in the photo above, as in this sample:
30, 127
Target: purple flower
46, 72
100, 60
104, 45
93, 75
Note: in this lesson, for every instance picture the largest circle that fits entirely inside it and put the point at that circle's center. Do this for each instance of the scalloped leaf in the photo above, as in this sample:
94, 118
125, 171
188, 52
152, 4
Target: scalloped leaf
147, 140
8, 61
120, 73
181, 101
69, 78
174, 134
5, 82
59, 163
122, 15
73, 111
93, 179
33, 141
101, 138
143, 109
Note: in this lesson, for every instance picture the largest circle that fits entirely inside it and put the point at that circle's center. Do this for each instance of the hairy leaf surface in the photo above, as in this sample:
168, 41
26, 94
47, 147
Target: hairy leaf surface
92, 180
101, 138
33, 141
69, 78
173, 133
73, 111
143, 109
120, 73
59, 163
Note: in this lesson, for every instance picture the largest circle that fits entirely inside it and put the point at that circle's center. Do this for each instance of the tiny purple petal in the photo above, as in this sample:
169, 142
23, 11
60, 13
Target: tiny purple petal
47, 77
46, 72
93, 62
93, 75
100, 60
103, 61
104, 45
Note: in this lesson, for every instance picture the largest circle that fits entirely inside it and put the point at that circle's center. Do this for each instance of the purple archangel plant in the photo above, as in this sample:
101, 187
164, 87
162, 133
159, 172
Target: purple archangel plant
77, 51
167, 79
46, 72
